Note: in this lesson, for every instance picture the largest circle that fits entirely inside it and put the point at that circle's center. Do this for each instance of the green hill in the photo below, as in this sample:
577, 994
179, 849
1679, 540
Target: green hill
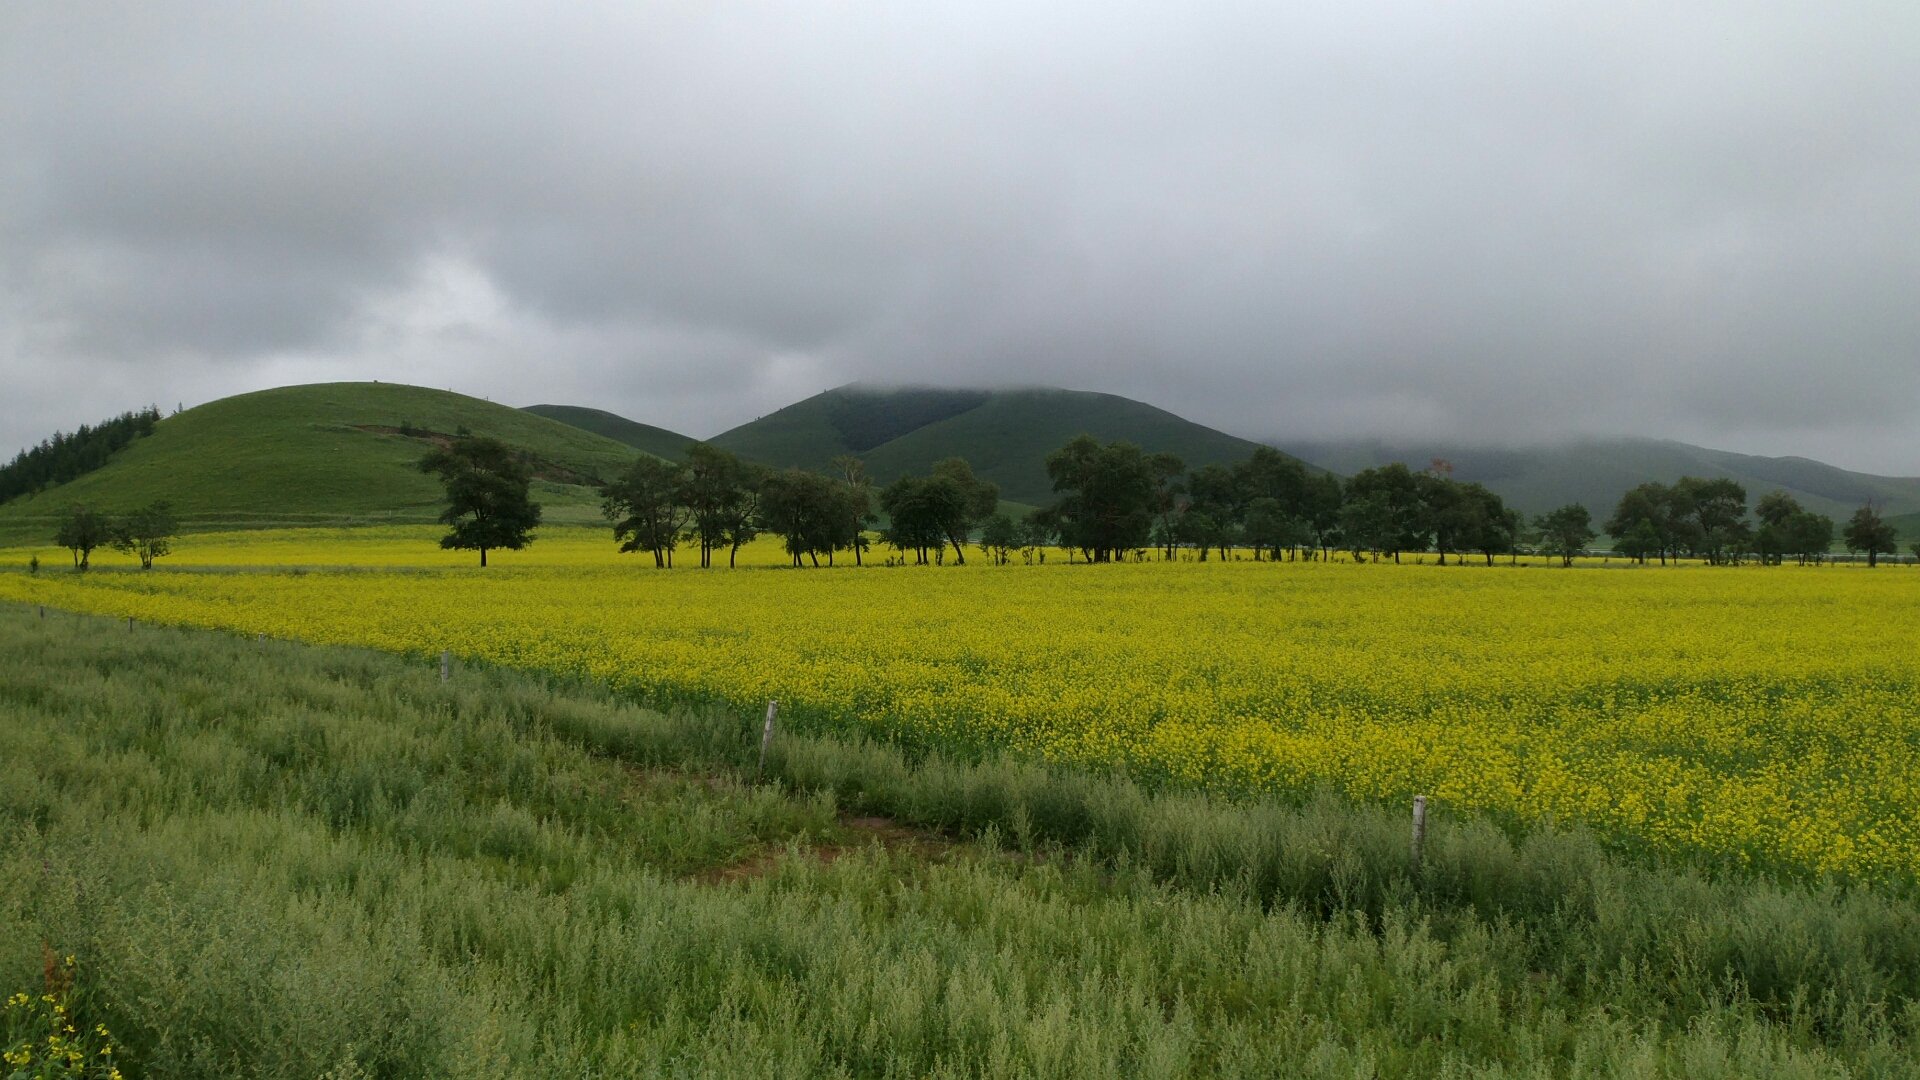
657, 441
1005, 434
1909, 526
1595, 472
330, 454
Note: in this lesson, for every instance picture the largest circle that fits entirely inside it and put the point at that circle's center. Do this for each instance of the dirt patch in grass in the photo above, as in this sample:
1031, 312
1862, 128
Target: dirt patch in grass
862, 833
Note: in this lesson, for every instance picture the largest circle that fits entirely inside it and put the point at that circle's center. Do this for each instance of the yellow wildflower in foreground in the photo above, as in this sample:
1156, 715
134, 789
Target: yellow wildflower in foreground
1756, 715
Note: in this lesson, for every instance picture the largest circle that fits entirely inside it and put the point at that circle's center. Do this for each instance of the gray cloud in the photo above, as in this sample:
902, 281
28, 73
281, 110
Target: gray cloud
1488, 221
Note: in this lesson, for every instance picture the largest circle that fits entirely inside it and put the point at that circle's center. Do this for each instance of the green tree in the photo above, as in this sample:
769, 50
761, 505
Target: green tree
81, 531
913, 522
1367, 523
488, 504
960, 501
1488, 526
1566, 532
857, 496
719, 491
1269, 528
998, 536
1212, 517
1107, 495
1643, 523
1037, 531
1320, 501
805, 510
1869, 532
1714, 512
1396, 514
1787, 528
1168, 487
644, 506
1640, 540
1809, 536
147, 533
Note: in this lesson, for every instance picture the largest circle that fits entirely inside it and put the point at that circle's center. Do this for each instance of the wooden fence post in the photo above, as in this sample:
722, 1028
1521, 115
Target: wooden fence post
1419, 830
766, 733
446, 664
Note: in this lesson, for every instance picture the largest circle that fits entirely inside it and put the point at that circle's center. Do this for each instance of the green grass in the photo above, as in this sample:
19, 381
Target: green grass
643, 437
1005, 434
301, 455
274, 860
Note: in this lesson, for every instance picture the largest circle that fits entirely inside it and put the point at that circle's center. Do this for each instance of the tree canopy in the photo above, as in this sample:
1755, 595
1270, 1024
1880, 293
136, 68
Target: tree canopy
488, 503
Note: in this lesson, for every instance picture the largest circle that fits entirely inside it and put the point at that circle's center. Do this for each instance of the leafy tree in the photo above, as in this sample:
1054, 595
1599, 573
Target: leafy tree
81, 531
1214, 502
1566, 532
1397, 514
1167, 471
1915, 548
805, 510
1809, 536
487, 495
1462, 517
913, 517
1787, 528
718, 490
147, 533
1037, 531
1488, 527
1713, 512
1367, 523
1201, 530
1775, 510
739, 519
998, 535
644, 505
1270, 528
1640, 540
1107, 496
858, 500
1644, 523
960, 501
1869, 532
1320, 501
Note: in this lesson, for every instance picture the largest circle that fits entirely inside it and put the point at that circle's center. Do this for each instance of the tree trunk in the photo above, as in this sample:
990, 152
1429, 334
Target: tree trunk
483, 556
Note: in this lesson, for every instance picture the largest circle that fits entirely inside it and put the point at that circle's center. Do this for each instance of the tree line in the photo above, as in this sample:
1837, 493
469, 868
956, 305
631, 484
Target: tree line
63, 457
1114, 501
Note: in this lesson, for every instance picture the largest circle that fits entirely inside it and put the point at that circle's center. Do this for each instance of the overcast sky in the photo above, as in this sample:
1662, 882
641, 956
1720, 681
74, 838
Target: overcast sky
1487, 221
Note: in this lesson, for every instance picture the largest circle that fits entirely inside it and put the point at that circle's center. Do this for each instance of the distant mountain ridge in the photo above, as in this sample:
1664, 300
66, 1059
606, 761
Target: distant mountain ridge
657, 441
1005, 434
1595, 472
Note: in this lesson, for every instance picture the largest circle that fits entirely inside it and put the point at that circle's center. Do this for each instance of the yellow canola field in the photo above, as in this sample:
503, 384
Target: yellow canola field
1751, 715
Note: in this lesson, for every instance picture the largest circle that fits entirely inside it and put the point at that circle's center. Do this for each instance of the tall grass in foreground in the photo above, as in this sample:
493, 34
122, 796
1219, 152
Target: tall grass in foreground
273, 860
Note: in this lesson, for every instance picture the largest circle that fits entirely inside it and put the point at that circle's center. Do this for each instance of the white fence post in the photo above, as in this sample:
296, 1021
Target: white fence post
766, 733
1419, 830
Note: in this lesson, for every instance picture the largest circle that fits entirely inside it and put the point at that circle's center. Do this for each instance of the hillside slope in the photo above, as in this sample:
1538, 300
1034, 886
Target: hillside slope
647, 438
1595, 472
331, 453
1005, 434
